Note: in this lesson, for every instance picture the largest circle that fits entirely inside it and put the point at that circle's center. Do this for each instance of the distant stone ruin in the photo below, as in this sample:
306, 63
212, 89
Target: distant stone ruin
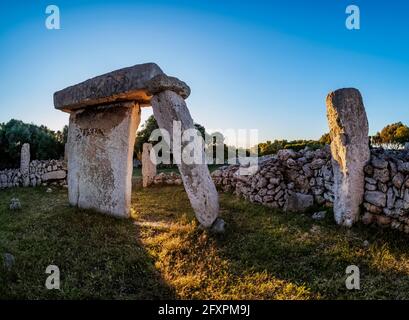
104, 116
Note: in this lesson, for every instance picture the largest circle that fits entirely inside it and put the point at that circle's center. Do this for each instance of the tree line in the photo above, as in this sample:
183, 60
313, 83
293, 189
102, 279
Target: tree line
48, 144
392, 136
44, 143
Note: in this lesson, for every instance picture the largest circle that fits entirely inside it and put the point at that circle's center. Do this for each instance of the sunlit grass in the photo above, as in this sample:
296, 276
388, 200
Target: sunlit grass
161, 253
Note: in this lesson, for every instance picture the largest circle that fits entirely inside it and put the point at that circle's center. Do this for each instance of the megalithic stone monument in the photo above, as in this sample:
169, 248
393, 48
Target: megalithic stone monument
104, 116
350, 152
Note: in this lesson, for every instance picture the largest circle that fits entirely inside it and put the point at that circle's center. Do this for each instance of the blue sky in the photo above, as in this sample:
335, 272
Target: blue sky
251, 64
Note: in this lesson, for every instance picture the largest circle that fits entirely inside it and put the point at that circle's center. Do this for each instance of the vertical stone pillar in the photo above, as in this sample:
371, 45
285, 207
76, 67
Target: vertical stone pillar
168, 106
100, 152
350, 152
25, 164
66, 152
148, 167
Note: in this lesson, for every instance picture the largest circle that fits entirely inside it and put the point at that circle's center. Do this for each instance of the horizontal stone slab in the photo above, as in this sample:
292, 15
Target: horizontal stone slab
54, 175
128, 84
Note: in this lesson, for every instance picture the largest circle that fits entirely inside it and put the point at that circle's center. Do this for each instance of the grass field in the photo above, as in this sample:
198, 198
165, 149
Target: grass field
161, 254
137, 172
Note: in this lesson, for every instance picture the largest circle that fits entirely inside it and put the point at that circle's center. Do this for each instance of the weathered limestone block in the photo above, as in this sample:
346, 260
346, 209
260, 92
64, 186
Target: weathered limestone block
54, 175
350, 152
128, 84
298, 202
148, 167
100, 152
163, 82
168, 106
376, 198
25, 164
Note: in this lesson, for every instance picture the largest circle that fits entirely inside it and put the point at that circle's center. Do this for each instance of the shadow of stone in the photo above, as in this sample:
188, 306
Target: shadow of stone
99, 257
314, 254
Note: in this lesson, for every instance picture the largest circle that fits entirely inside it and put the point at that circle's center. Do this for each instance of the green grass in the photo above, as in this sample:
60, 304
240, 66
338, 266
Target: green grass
161, 252
137, 172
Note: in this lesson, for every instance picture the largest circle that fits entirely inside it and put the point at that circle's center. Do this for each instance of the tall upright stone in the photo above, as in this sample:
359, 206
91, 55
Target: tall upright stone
148, 167
104, 116
25, 164
348, 125
168, 107
100, 149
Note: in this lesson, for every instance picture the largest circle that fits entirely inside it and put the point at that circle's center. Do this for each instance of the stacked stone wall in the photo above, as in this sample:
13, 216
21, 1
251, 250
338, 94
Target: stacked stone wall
41, 172
295, 181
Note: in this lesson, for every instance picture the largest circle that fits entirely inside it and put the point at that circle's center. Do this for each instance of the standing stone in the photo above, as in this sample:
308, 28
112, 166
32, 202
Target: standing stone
168, 106
148, 167
100, 148
66, 152
350, 152
8, 261
25, 164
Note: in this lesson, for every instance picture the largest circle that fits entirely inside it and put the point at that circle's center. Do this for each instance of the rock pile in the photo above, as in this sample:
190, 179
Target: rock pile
15, 204
167, 179
289, 180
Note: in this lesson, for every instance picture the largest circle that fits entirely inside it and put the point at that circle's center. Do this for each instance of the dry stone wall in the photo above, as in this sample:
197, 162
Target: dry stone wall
294, 181
386, 198
40, 172
289, 180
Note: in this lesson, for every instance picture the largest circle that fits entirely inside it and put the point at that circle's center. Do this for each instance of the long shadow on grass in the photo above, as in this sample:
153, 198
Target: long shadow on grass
99, 257
288, 247
315, 254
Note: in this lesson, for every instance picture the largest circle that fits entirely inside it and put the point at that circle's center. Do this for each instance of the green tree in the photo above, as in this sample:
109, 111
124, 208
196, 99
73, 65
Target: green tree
325, 139
148, 127
44, 143
269, 147
393, 135
144, 134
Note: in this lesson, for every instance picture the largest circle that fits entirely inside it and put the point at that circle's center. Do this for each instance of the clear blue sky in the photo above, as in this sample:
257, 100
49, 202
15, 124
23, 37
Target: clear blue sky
251, 64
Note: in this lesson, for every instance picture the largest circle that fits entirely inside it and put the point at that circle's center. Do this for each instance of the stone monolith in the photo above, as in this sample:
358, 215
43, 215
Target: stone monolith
350, 152
100, 153
168, 107
25, 164
148, 167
